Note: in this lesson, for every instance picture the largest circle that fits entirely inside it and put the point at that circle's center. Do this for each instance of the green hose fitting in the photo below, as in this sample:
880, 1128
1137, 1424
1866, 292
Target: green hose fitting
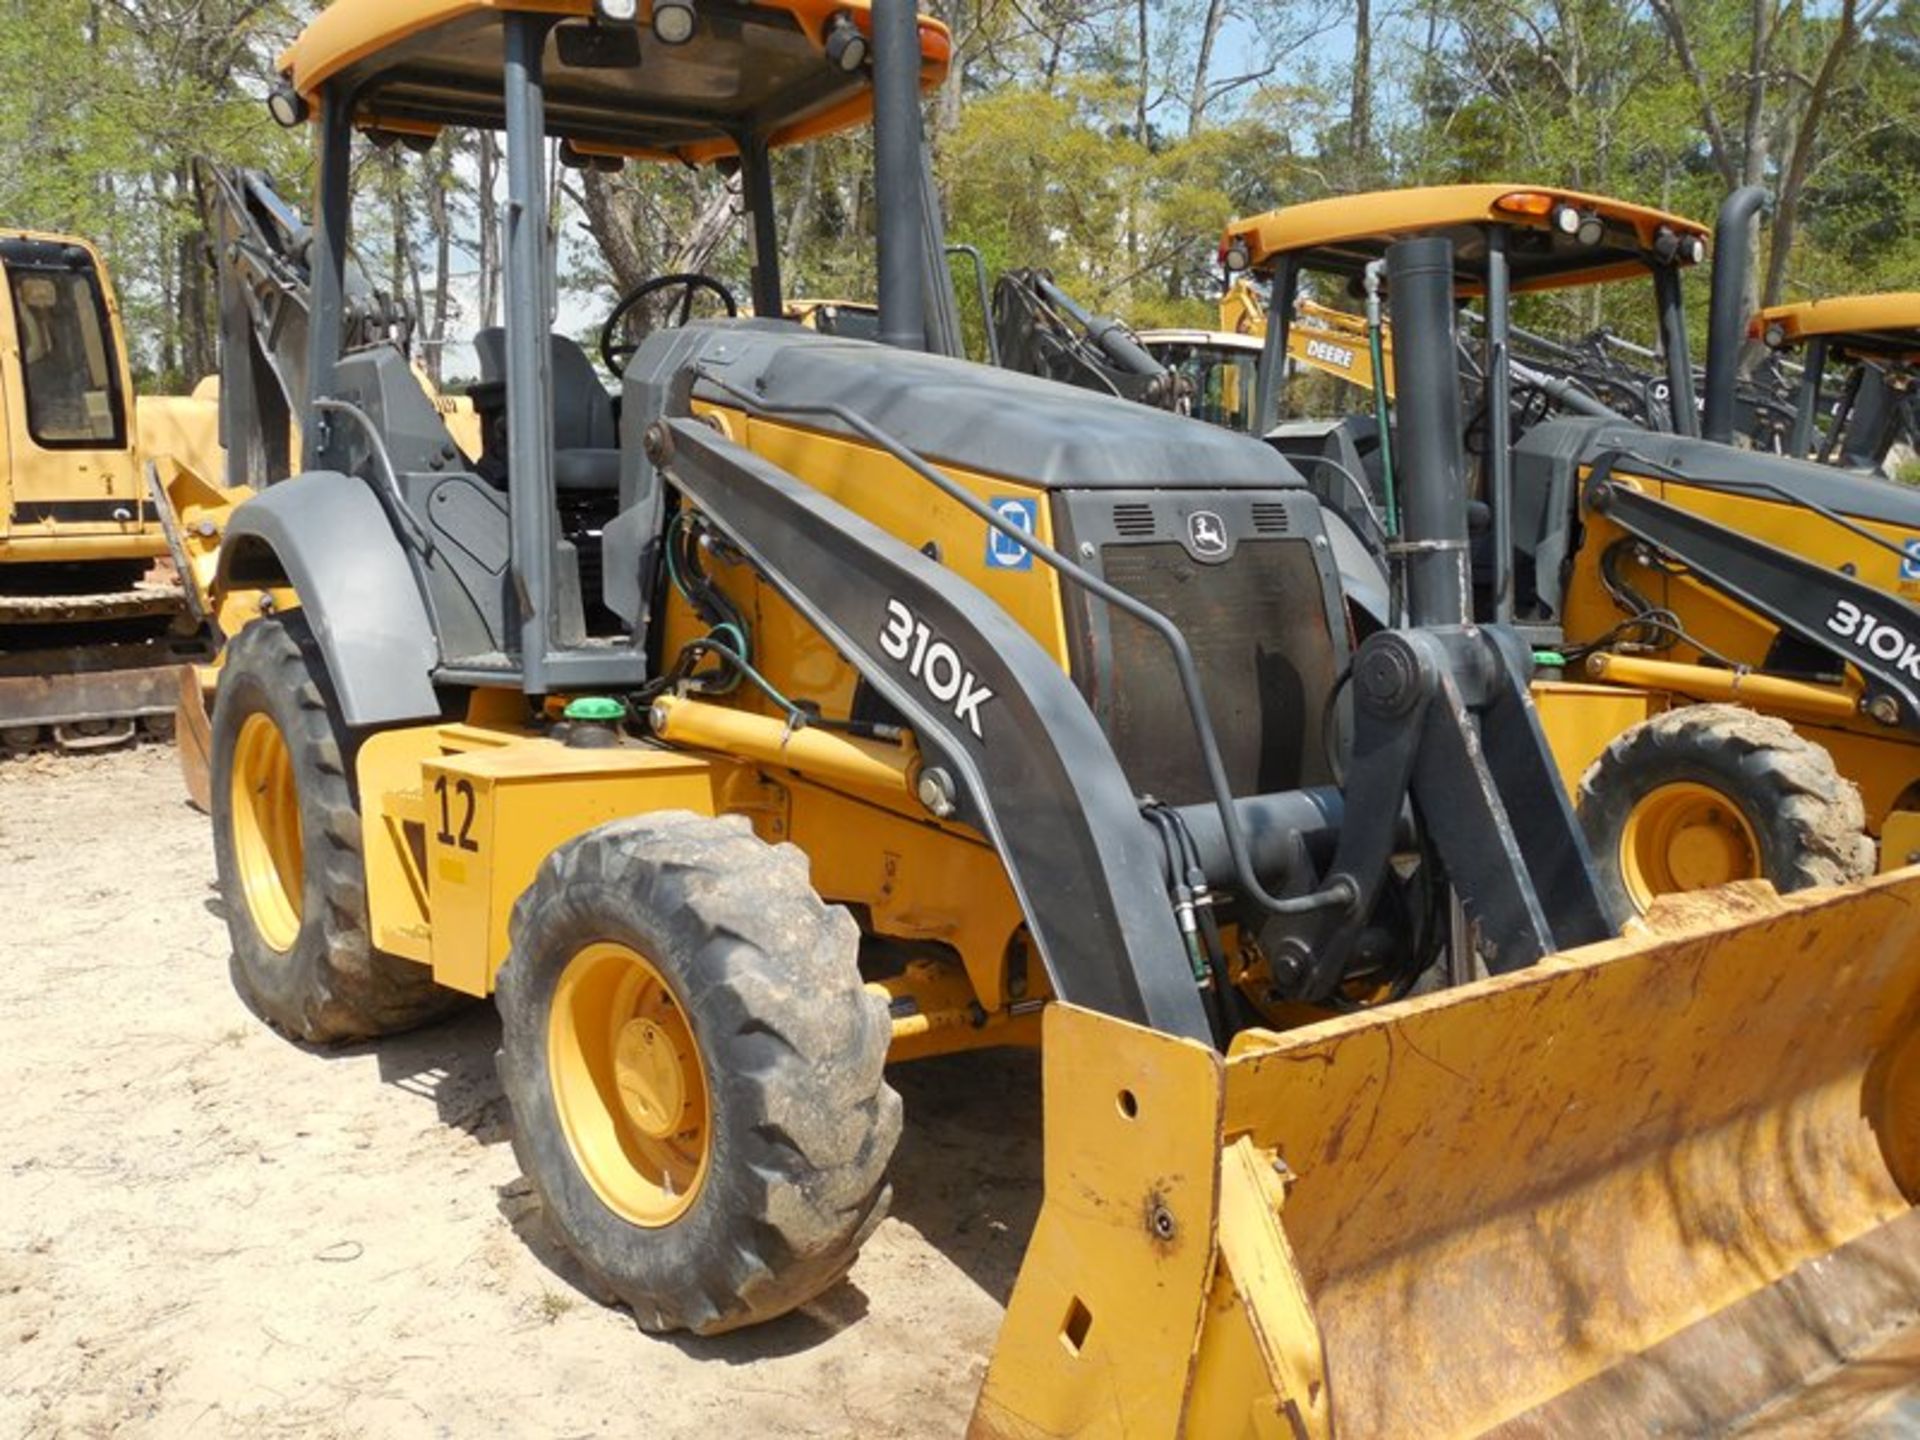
601, 708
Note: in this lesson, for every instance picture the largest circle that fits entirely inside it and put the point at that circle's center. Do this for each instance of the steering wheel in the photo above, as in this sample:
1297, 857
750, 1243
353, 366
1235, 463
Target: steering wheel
614, 353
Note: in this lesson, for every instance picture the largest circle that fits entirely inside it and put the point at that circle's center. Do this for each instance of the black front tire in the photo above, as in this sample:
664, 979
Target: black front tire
800, 1122
327, 982
1808, 820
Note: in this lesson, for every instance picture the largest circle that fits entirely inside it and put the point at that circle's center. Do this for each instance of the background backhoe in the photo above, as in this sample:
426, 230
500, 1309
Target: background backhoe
1748, 614
860, 703
1874, 341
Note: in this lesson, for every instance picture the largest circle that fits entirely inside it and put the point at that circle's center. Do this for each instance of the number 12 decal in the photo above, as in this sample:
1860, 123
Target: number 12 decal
463, 792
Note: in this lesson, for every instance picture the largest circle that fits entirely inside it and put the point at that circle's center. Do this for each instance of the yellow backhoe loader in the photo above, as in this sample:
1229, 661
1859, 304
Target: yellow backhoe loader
92, 636
858, 703
1877, 339
1751, 618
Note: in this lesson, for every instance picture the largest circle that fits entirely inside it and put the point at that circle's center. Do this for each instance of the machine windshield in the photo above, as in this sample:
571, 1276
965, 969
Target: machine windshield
72, 392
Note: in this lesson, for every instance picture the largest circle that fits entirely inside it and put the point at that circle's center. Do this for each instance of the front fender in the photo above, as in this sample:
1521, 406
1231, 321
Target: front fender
327, 536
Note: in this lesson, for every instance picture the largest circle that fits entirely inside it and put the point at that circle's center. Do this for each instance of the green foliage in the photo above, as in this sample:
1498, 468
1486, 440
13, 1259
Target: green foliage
1058, 180
103, 106
1058, 144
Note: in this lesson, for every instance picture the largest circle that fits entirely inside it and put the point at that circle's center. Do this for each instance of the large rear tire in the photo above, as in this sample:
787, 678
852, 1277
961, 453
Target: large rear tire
1707, 794
695, 1070
286, 845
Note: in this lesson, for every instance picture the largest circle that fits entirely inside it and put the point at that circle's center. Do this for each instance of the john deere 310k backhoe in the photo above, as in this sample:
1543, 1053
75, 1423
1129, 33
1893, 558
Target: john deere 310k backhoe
843, 702
1873, 341
1753, 619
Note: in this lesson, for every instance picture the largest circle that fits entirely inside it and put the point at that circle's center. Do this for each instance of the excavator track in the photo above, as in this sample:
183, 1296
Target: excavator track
90, 671
143, 599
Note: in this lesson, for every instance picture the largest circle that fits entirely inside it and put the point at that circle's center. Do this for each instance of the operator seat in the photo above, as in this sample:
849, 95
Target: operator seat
586, 441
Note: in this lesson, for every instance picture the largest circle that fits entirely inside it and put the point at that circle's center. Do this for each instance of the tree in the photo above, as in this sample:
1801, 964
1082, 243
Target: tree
1791, 67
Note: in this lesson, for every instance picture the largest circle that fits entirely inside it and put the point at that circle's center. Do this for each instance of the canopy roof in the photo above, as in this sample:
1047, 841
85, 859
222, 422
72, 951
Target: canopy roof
1343, 234
1881, 325
756, 68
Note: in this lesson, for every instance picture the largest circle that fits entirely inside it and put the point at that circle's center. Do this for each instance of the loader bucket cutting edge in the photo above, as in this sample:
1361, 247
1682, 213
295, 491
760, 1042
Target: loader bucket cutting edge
193, 737
1658, 1183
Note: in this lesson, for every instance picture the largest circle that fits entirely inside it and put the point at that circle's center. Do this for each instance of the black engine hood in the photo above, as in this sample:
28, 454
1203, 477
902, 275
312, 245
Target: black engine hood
969, 416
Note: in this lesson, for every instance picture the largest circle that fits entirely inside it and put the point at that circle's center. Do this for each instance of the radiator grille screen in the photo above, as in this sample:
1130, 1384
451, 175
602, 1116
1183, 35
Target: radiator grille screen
1257, 626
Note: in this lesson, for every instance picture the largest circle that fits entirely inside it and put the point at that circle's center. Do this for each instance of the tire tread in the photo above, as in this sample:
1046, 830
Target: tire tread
773, 988
1811, 819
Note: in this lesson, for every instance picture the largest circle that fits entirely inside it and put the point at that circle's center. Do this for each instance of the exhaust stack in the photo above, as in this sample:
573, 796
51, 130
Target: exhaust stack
1426, 451
1727, 319
899, 233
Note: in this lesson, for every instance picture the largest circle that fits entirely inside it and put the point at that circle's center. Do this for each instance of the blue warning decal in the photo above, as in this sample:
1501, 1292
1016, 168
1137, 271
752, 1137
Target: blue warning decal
1003, 551
1910, 560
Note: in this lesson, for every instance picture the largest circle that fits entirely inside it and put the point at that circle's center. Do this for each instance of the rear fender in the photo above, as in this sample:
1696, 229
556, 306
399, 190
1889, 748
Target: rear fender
327, 537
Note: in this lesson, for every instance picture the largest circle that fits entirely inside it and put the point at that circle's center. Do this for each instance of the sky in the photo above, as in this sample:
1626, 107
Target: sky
580, 311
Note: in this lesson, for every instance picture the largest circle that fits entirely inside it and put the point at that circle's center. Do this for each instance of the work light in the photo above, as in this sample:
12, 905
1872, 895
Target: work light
846, 46
618, 12
672, 21
287, 105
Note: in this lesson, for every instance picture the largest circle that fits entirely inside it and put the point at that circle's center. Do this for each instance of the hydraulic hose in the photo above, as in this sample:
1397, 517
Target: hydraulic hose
1341, 892
1377, 353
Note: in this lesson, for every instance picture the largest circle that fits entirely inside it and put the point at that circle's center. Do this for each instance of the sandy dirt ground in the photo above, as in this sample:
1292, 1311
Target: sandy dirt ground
206, 1230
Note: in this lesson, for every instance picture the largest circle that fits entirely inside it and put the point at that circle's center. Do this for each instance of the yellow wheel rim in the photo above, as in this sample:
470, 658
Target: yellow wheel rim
266, 831
1686, 836
628, 1083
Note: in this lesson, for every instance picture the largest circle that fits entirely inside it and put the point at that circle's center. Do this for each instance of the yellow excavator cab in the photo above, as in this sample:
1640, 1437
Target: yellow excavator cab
89, 639
1217, 371
70, 484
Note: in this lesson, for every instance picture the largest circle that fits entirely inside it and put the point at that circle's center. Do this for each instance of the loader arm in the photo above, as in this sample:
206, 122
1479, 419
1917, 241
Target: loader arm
1859, 625
1444, 720
1011, 747
1444, 716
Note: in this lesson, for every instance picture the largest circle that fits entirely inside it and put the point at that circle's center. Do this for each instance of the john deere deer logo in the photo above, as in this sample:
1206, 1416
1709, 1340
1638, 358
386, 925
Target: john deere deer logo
1206, 533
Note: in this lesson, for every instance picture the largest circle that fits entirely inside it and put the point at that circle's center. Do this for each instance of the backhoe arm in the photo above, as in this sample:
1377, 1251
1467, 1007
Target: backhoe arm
1041, 330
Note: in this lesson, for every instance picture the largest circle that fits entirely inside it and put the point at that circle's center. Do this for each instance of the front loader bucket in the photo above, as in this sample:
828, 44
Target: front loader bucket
1655, 1185
193, 735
